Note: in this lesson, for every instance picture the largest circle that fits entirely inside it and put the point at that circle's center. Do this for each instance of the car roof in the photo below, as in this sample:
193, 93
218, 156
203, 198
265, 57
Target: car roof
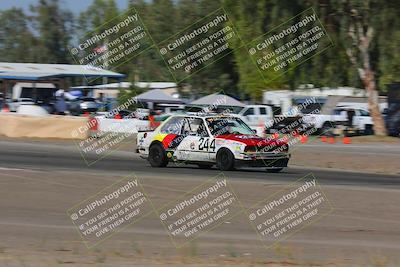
208, 115
348, 107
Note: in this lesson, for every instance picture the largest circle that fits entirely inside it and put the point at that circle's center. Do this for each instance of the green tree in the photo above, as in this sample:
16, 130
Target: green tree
248, 17
359, 21
216, 76
55, 28
96, 16
17, 43
388, 44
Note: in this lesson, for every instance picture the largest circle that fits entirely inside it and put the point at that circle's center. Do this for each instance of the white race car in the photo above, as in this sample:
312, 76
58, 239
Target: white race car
209, 140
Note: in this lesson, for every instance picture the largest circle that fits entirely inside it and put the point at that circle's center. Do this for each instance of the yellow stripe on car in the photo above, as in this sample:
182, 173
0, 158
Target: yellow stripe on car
159, 137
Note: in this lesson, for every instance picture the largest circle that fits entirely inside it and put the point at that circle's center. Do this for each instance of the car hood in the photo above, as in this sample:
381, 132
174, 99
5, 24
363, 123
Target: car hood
252, 140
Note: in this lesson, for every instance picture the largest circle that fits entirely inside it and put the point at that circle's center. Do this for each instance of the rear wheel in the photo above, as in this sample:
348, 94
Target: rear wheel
369, 129
205, 166
274, 170
225, 160
157, 156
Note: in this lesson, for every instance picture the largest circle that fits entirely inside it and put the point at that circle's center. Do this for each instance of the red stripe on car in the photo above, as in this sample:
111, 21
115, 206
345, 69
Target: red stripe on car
251, 140
168, 139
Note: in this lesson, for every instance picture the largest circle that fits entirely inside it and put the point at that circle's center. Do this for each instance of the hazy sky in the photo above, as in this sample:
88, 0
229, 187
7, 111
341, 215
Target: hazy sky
73, 5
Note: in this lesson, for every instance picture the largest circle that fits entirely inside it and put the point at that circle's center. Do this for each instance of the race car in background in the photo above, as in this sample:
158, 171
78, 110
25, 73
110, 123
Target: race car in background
208, 140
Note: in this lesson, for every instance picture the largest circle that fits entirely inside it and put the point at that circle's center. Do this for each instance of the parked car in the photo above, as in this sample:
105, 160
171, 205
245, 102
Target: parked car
83, 104
88, 104
15, 103
32, 110
256, 115
121, 114
361, 121
392, 120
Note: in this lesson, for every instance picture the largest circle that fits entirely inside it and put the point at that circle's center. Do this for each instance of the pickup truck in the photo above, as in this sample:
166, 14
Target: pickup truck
263, 119
362, 121
256, 116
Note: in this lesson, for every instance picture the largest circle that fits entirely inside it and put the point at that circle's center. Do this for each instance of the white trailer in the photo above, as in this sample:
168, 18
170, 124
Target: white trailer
288, 99
33, 90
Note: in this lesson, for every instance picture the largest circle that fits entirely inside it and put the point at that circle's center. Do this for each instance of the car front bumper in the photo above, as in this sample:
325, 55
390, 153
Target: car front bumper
268, 160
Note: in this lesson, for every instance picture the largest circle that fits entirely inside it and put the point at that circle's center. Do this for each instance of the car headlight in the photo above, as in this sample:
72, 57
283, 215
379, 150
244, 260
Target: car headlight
250, 149
285, 148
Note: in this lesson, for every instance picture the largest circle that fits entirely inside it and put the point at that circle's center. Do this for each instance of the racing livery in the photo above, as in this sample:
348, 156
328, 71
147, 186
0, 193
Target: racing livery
208, 140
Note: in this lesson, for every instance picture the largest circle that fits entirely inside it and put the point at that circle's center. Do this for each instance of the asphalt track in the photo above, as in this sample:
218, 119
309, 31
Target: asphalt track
39, 181
66, 156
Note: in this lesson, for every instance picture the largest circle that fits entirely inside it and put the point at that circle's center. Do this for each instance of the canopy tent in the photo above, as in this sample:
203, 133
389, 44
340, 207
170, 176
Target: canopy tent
35, 71
157, 96
57, 74
218, 100
71, 95
149, 85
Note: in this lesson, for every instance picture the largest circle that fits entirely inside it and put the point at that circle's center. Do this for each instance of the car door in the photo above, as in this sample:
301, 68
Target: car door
195, 144
264, 114
250, 116
362, 118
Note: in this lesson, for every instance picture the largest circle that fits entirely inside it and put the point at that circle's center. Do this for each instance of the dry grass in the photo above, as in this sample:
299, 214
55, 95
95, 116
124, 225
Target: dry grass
375, 139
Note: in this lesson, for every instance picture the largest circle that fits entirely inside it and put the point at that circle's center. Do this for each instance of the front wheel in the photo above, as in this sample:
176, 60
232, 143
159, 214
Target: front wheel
225, 160
157, 156
327, 128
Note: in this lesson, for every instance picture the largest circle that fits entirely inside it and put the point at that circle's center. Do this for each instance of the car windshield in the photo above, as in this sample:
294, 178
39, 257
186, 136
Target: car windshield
227, 125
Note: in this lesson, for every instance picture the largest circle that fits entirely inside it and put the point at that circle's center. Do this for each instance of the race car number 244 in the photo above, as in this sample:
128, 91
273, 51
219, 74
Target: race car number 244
205, 144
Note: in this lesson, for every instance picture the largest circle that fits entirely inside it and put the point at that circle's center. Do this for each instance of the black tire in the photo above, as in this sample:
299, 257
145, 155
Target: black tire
225, 160
369, 129
326, 128
157, 156
275, 170
205, 165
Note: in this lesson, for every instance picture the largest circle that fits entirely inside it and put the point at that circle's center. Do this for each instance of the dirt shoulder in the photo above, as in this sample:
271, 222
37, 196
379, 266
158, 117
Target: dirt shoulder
375, 139
359, 156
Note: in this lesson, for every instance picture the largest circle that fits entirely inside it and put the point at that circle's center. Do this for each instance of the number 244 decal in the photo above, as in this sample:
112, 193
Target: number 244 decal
206, 145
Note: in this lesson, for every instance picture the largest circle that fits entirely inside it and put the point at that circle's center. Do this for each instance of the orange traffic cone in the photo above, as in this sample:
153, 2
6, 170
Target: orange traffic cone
331, 140
323, 139
303, 139
5, 108
346, 140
